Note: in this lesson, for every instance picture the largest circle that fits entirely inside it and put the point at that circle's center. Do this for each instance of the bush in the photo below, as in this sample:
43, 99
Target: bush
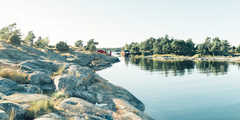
15, 39
41, 43
62, 46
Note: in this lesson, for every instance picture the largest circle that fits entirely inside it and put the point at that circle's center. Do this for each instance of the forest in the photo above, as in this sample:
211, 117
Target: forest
166, 45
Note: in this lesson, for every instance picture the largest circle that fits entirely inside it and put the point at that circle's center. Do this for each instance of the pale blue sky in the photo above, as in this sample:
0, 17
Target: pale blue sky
114, 23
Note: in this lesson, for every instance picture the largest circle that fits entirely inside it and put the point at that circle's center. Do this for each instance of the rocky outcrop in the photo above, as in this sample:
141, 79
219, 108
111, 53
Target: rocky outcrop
25, 98
86, 84
3, 115
42, 80
72, 73
81, 109
9, 87
125, 111
14, 109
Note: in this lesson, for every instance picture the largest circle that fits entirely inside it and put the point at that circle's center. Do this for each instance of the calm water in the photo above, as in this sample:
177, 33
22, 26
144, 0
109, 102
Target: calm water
181, 90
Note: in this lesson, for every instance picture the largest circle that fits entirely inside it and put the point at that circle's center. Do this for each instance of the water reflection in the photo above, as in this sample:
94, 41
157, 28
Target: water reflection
179, 68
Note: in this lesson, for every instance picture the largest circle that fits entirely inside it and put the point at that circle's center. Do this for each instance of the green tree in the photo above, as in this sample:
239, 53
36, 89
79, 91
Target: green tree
79, 43
29, 38
135, 48
91, 45
41, 43
238, 49
11, 34
15, 39
62, 46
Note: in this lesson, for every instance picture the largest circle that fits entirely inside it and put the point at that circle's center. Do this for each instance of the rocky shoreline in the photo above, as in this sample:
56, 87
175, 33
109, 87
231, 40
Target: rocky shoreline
42, 84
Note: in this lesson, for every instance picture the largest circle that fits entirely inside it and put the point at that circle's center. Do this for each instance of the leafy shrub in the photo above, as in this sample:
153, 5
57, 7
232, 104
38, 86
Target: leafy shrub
79, 43
62, 46
91, 45
15, 39
41, 43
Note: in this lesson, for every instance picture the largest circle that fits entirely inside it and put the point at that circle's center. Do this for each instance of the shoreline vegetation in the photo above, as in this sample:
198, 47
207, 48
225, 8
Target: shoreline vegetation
169, 48
172, 57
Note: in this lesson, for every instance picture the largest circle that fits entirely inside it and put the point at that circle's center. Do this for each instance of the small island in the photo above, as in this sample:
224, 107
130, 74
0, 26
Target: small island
168, 49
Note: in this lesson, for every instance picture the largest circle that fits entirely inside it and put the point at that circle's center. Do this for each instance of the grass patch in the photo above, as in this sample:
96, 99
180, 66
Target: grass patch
12, 114
15, 75
39, 108
59, 95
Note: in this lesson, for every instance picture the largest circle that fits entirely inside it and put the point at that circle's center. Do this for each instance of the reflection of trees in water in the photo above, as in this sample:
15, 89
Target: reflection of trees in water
179, 68
212, 67
176, 67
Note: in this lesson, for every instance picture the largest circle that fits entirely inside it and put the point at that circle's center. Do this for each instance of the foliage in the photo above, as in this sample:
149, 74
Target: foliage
62, 46
165, 45
29, 38
213, 47
91, 45
11, 34
41, 42
79, 43
14, 39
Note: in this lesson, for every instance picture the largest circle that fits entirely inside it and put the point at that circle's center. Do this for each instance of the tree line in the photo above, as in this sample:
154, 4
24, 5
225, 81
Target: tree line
166, 45
13, 35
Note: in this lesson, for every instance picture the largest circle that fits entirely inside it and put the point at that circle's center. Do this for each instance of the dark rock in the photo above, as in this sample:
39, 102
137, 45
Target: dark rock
42, 80
3, 115
13, 108
44, 66
7, 86
27, 88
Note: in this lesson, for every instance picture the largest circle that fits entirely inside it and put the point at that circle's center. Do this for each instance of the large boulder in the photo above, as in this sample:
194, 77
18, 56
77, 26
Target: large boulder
27, 88
24, 98
105, 92
7, 86
78, 58
45, 66
3, 115
14, 109
75, 76
125, 111
93, 88
79, 108
100, 61
42, 80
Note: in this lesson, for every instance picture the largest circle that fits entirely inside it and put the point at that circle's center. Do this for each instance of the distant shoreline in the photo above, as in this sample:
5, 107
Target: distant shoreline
171, 57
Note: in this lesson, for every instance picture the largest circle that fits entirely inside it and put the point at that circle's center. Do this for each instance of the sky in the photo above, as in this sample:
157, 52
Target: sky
113, 23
